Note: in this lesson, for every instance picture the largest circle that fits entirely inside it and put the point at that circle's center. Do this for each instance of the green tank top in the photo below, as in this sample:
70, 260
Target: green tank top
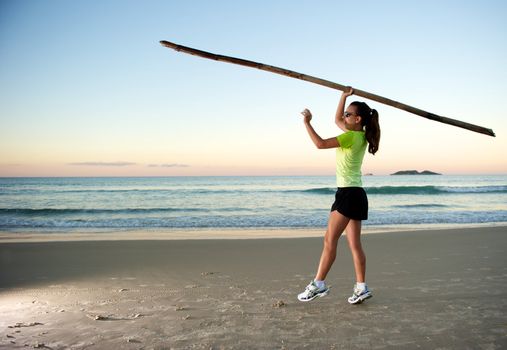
349, 158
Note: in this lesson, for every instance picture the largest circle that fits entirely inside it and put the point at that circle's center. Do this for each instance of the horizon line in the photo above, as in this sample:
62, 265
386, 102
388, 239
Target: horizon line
274, 175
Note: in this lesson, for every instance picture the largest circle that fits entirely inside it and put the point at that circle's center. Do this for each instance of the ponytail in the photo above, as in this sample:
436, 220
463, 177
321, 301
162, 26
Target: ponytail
372, 132
369, 119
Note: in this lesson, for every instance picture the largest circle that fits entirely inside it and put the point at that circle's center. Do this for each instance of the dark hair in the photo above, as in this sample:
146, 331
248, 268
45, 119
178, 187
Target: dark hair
369, 119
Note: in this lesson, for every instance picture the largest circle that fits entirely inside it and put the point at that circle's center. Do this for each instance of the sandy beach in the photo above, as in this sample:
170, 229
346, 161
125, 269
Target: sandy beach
440, 289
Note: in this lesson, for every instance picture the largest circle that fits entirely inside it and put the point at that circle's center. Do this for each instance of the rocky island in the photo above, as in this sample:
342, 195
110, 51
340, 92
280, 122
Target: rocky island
415, 172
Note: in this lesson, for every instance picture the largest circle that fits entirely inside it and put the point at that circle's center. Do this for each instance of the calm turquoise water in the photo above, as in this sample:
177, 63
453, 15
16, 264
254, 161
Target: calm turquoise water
67, 204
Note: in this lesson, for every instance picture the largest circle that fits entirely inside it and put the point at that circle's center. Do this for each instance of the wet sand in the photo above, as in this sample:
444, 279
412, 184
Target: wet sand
441, 289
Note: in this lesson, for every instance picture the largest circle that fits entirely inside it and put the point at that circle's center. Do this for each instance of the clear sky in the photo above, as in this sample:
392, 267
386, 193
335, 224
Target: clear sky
87, 90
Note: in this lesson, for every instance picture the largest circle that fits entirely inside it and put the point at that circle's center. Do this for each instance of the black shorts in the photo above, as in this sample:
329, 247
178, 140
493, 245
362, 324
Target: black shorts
351, 202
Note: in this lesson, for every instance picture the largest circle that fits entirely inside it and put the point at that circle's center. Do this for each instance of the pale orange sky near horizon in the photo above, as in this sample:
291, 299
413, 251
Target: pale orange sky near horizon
108, 100
230, 153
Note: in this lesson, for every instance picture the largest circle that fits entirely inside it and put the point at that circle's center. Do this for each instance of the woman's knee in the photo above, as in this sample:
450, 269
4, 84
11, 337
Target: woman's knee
359, 255
357, 251
355, 244
330, 241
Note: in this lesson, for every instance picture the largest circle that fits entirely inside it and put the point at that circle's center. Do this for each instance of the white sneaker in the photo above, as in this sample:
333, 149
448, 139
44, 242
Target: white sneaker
359, 295
312, 291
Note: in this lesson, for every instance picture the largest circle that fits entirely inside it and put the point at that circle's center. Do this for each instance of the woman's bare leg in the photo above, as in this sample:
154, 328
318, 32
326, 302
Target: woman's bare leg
336, 224
354, 238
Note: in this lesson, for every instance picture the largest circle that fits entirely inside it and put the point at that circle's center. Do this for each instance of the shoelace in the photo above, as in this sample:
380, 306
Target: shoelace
358, 292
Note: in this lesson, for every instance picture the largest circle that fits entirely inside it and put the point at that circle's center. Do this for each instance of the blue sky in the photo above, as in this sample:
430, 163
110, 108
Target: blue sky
86, 89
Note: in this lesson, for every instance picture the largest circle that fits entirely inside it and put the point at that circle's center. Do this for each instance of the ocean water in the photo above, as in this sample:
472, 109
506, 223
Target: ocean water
69, 204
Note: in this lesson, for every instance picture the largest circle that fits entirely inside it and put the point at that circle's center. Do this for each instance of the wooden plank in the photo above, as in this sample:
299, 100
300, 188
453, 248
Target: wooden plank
330, 84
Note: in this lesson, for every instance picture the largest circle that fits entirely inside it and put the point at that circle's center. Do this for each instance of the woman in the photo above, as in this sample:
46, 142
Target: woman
361, 127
